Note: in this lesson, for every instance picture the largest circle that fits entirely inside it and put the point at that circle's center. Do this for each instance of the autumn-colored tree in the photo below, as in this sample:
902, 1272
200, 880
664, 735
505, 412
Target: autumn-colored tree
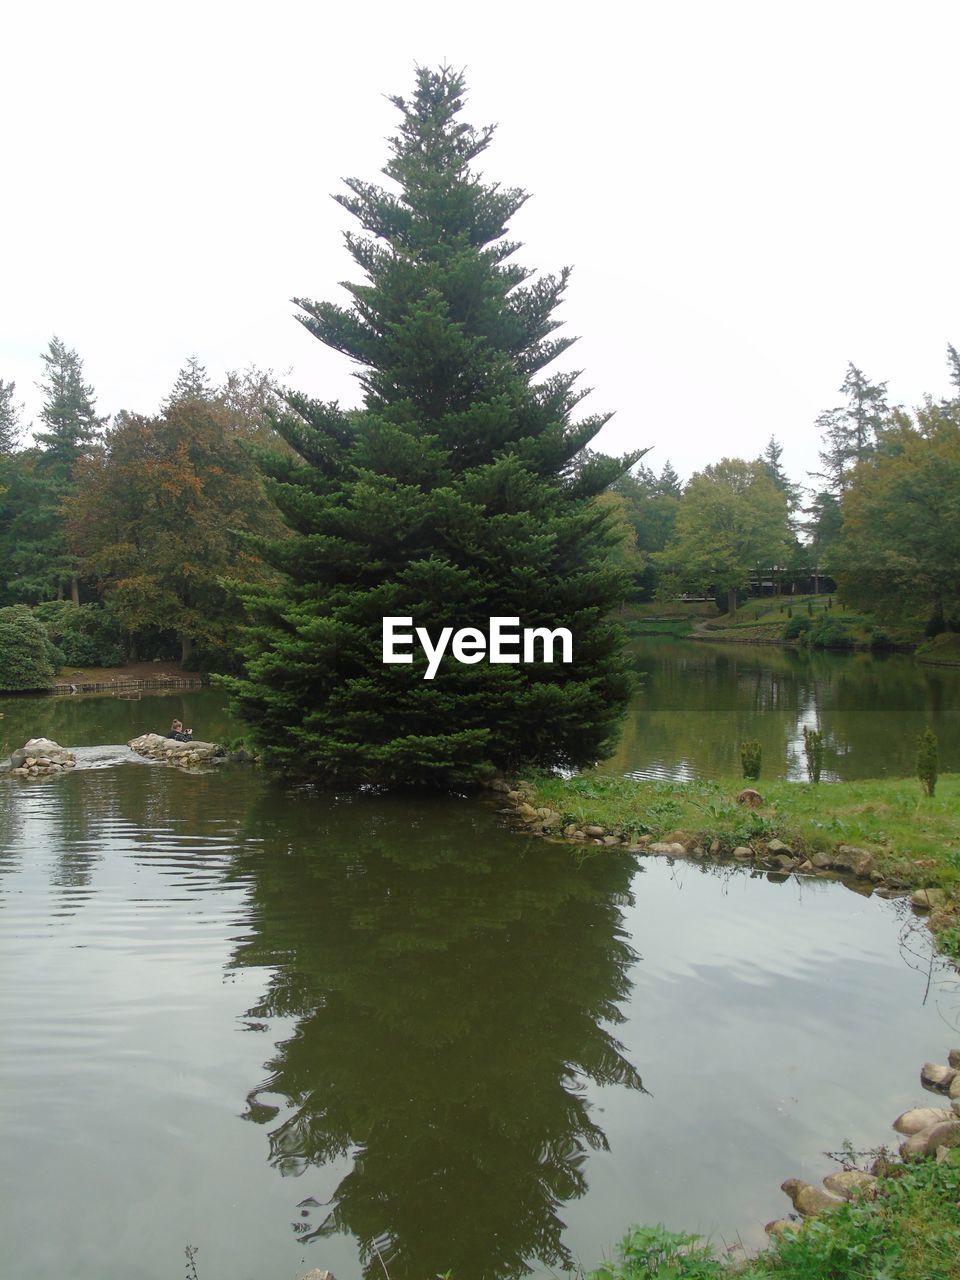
158, 520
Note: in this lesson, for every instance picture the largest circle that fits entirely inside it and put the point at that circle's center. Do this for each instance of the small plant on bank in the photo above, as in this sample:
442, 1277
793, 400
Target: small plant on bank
751, 754
928, 760
813, 750
647, 1252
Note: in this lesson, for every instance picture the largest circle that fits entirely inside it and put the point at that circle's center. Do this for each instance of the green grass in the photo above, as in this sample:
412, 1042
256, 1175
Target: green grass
910, 1232
914, 836
765, 619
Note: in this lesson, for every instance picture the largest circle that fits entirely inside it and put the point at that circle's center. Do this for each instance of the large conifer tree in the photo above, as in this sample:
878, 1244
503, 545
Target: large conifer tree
460, 491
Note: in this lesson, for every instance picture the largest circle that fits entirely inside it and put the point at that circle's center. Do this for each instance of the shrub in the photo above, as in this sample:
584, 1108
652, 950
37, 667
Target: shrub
751, 754
796, 627
813, 750
829, 633
88, 636
928, 760
28, 659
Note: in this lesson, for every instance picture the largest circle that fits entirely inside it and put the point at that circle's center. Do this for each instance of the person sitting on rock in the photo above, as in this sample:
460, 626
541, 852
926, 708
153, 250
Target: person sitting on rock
178, 733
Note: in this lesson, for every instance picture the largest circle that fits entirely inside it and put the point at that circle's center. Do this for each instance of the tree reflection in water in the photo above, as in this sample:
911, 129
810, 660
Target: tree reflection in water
451, 983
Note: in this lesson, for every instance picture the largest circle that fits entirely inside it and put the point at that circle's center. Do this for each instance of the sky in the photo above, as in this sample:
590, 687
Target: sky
751, 194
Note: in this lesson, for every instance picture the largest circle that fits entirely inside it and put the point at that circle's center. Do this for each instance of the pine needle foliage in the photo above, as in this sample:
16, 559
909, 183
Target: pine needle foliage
461, 490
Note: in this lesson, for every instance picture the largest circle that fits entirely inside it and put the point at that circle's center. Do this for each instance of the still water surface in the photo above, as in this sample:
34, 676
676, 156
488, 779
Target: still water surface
295, 1030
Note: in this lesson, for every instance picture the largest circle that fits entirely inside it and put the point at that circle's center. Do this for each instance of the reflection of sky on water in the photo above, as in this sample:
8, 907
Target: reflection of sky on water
769, 1021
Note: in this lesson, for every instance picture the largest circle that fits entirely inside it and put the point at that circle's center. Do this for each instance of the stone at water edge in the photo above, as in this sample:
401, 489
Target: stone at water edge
919, 1118
954, 1090
742, 851
926, 1142
928, 899
808, 1200
850, 1183
849, 858
668, 850
777, 846
935, 1076
953, 1058
781, 1225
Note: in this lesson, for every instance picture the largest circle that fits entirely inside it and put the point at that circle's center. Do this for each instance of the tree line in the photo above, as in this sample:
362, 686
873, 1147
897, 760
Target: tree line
880, 520
268, 533
119, 534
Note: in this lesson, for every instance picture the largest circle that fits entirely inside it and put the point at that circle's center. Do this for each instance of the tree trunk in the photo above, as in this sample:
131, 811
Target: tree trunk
186, 648
75, 590
732, 602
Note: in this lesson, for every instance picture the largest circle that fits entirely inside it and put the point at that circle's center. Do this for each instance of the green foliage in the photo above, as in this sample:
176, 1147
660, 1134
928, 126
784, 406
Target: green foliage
796, 627
28, 659
462, 490
751, 755
911, 1231
654, 1253
732, 517
68, 411
928, 760
87, 636
650, 504
813, 750
829, 633
901, 522
10, 423
852, 431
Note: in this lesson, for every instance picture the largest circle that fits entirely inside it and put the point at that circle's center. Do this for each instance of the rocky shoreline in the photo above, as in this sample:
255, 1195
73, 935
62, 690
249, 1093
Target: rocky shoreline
929, 1133
778, 859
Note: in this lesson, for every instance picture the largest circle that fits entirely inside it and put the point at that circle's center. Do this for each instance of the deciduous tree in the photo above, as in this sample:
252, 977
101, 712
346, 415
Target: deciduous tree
732, 520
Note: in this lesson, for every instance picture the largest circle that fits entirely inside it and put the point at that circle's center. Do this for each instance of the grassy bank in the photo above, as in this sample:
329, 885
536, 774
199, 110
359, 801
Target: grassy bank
914, 836
820, 621
911, 1231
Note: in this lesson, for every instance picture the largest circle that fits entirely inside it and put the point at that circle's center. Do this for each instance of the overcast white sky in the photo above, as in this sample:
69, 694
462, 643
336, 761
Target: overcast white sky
751, 194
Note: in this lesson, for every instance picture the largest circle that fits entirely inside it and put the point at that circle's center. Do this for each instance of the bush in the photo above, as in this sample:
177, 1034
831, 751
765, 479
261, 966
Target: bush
28, 659
829, 633
751, 754
796, 627
88, 636
928, 760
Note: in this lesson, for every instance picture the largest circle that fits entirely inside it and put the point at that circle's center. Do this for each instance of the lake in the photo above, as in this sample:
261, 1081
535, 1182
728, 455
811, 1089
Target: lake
297, 1030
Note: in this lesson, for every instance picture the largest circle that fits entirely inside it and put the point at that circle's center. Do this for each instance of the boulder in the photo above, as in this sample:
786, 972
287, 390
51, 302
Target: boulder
928, 899
743, 851
777, 846
752, 799
926, 1142
184, 755
665, 849
780, 1226
851, 1183
808, 1200
919, 1118
953, 1057
935, 1076
954, 1090
594, 832
41, 757
849, 858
